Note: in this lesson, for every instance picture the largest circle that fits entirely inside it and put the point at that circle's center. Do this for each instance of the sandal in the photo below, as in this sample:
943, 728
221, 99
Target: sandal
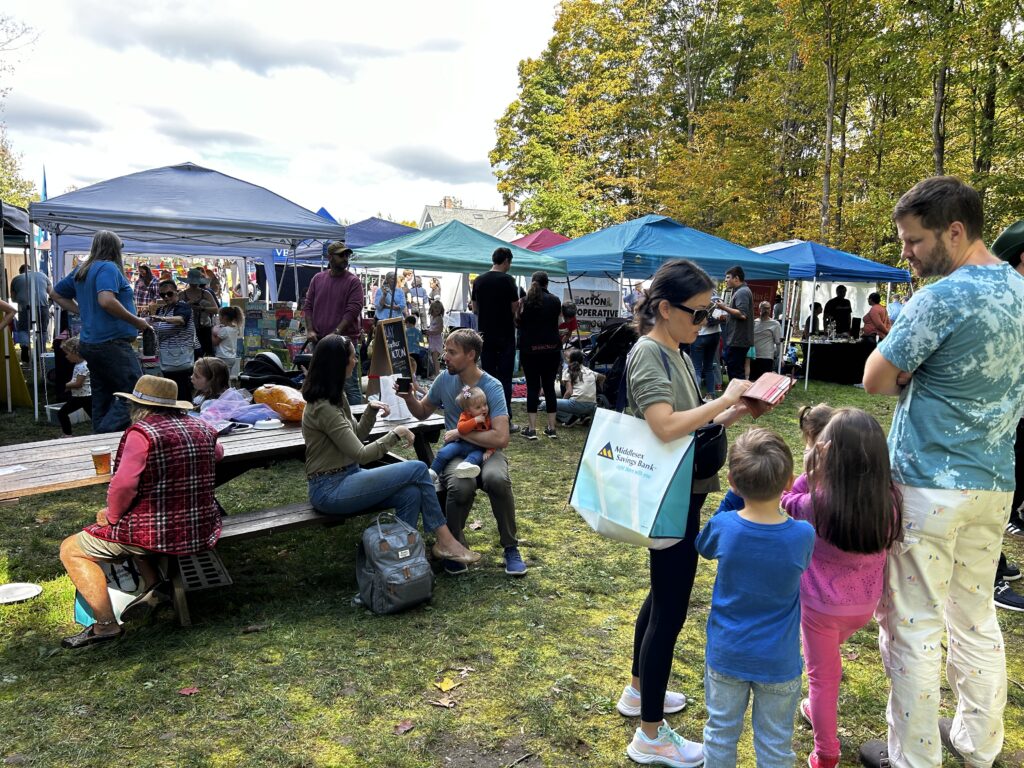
88, 637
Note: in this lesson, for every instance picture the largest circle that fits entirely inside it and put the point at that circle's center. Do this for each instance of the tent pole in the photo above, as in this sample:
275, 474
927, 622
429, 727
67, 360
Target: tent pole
785, 324
810, 328
295, 271
8, 346
33, 325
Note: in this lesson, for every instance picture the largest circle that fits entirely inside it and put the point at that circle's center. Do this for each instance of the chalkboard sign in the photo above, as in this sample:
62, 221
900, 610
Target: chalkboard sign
391, 349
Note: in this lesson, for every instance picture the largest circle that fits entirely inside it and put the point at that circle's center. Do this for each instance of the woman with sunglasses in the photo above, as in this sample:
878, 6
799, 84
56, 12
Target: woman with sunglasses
662, 389
172, 319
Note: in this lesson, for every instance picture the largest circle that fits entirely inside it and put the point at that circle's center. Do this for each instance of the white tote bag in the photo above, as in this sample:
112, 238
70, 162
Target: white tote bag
630, 486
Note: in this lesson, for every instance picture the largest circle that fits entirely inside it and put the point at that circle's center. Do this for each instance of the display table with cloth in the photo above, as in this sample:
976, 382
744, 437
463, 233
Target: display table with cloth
837, 361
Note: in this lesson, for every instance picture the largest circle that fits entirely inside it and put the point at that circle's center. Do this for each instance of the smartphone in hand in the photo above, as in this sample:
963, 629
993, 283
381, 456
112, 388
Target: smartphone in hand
404, 385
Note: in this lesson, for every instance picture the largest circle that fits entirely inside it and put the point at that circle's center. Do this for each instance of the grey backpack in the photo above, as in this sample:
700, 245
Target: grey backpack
391, 566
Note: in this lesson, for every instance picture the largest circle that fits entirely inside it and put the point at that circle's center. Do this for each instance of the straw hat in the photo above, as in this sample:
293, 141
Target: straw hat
156, 392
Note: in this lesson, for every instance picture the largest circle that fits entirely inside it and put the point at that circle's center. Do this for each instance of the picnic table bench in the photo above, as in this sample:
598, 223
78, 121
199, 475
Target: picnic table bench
53, 465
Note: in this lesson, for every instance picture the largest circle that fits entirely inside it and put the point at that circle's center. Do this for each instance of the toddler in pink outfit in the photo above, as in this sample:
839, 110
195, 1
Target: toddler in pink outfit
847, 494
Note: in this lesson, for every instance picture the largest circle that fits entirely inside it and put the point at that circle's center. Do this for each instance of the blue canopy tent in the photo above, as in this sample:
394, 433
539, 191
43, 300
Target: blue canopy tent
810, 261
635, 249
311, 258
182, 205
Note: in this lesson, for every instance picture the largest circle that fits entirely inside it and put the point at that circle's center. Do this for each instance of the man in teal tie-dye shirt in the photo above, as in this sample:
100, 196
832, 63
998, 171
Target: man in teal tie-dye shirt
953, 358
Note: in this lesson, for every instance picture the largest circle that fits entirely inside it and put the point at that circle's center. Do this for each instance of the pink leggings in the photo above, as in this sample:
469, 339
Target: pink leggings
823, 634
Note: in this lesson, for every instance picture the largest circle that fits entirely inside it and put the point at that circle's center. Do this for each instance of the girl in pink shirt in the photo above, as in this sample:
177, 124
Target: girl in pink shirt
847, 494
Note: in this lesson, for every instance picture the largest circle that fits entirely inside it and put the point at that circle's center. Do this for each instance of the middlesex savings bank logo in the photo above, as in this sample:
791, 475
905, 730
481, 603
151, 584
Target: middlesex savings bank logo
632, 459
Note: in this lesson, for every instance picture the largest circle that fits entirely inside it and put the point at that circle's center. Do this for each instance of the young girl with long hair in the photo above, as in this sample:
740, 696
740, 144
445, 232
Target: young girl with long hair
225, 338
662, 390
435, 335
848, 495
209, 381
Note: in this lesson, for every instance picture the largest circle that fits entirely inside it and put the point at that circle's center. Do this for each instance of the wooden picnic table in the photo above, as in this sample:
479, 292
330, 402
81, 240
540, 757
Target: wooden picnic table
27, 469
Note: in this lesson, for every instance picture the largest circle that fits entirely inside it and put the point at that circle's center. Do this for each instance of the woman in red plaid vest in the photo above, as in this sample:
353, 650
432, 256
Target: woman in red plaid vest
160, 500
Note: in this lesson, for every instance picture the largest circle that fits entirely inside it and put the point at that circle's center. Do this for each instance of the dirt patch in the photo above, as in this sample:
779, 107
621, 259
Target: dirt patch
511, 754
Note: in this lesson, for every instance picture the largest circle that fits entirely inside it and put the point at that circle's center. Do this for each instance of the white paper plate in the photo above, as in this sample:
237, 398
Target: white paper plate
18, 592
268, 424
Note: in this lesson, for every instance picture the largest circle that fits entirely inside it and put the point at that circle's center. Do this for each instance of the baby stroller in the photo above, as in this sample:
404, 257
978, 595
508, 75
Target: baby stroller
266, 368
609, 349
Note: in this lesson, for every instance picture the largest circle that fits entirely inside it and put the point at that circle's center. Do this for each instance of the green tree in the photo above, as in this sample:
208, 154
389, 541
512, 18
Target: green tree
13, 188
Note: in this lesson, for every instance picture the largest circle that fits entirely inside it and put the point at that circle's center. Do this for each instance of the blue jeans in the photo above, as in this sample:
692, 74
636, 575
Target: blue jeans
457, 449
113, 367
567, 408
772, 717
703, 352
405, 487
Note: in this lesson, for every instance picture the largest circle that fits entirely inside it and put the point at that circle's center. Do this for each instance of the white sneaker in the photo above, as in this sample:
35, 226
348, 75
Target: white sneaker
436, 479
669, 749
629, 702
465, 469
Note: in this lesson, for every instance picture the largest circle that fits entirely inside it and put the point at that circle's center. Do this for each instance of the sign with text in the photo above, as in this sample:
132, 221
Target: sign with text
594, 307
390, 349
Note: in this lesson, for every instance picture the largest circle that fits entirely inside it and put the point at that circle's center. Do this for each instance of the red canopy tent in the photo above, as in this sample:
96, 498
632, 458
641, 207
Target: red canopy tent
540, 240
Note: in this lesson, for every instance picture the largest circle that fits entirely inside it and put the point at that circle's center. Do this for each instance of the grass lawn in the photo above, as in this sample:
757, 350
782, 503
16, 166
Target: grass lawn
539, 661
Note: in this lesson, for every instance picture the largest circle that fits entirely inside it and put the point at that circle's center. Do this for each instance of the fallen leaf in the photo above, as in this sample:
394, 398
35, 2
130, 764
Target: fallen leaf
404, 727
476, 525
191, 691
850, 655
254, 628
464, 671
446, 685
444, 702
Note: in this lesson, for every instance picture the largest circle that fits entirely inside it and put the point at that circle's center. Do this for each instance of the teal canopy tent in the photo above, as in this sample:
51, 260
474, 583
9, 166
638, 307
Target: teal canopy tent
452, 247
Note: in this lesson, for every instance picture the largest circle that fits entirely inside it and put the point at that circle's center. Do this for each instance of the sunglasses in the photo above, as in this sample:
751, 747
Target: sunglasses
168, 294
699, 316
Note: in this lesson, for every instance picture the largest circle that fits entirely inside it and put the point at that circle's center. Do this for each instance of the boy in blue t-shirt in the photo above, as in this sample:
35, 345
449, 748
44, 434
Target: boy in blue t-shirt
753, 629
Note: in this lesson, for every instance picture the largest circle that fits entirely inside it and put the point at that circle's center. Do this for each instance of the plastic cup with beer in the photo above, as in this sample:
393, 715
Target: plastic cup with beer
101, 459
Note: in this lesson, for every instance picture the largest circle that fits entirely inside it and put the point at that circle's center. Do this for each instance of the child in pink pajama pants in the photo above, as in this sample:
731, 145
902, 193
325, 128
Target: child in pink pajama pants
848, 496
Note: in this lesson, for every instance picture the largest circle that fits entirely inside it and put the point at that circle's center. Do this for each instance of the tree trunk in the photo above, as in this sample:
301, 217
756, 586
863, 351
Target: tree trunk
842, 155
986, 140
939, 119
826, 180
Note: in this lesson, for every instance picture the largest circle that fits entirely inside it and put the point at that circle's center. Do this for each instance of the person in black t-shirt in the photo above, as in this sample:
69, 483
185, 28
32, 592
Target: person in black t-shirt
496, 304
839, 310
540, 352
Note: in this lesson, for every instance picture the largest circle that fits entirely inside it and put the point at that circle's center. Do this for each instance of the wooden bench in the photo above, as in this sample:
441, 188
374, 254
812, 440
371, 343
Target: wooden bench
205, 570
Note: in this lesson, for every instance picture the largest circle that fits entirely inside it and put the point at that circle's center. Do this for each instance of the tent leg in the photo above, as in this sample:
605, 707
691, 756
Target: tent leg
810, 328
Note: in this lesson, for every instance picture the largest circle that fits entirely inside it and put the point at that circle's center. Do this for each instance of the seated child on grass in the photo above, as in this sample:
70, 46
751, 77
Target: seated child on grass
474, 417
753, 631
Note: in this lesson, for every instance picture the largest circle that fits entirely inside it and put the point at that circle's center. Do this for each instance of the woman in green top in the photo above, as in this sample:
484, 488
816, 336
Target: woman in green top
662, 389
338, 485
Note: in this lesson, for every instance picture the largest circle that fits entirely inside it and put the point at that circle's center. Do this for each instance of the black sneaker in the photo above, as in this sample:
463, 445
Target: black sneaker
1015, 528
1008, 599
1010, 573
529, 434
875, 754
570, 421
548, 432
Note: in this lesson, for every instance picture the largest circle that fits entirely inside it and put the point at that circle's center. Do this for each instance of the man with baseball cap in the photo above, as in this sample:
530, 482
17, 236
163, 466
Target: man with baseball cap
334, 304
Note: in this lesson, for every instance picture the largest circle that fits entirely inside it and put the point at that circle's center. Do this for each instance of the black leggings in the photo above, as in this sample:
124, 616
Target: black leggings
540, 370
72, 405
662, 615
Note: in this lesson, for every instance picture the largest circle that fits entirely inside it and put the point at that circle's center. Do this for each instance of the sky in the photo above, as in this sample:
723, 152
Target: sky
365, 109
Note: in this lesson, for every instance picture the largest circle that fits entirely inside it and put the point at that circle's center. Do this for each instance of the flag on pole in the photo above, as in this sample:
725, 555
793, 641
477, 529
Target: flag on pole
43, 237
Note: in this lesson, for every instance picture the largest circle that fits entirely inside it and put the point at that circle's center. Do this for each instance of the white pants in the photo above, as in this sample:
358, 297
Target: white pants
944, 570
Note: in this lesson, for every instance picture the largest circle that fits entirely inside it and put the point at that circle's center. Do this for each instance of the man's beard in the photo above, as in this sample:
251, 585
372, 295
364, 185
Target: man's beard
937, 264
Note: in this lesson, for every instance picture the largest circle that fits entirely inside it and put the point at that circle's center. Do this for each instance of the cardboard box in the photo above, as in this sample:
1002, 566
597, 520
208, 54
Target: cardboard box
78, 417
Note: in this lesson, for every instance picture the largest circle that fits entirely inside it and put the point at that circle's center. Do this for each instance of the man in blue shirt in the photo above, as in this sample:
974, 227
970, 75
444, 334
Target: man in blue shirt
99, 292
462, 351
389, 299
952, 357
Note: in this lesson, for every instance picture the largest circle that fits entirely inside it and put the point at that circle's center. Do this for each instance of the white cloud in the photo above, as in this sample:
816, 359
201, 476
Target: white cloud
363, 110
